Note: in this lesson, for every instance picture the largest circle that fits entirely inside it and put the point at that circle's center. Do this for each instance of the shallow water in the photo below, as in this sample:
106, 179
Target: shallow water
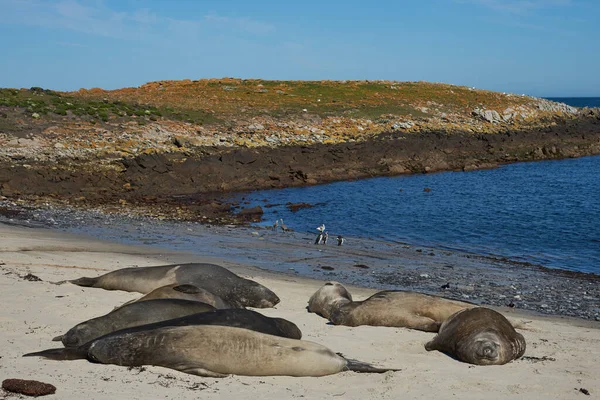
545, 213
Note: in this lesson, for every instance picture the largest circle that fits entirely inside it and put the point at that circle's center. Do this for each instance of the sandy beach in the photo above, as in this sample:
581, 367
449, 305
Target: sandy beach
561, 356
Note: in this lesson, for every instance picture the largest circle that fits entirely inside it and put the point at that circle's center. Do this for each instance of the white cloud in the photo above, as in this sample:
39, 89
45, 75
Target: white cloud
95, 18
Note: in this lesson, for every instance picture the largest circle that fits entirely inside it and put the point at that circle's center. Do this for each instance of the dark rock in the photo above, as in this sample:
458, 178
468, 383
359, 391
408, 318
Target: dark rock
584, 391
28, 387
253, 214
31, 278
293, 207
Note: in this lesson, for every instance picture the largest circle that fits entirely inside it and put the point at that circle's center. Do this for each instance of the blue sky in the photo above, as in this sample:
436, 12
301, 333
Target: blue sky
537, 47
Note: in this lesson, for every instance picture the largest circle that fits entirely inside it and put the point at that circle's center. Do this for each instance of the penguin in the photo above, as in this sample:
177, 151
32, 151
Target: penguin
319, 238
340, 240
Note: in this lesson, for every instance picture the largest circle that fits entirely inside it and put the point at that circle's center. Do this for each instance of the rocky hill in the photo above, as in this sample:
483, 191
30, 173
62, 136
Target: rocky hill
173, 142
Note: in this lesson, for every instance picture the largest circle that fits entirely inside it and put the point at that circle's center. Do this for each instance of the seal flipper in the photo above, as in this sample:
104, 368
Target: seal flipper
431, 345
359, 366
87, 282
66, 353
202, 372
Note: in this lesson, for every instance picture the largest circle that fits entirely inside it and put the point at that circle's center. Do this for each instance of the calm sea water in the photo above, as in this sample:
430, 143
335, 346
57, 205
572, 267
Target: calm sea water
546, 212
578, 101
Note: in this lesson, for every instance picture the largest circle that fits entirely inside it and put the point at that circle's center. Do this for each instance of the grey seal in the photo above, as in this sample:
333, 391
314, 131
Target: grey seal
235, 317
235, 290
185, 292
479, 336
131, 315
213, 351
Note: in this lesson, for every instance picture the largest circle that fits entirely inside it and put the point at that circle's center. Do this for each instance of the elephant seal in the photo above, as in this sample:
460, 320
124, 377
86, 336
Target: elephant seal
185, 292
213, 351
388, 308
479, 336
235, 317
134, 314
329, 297
235, 290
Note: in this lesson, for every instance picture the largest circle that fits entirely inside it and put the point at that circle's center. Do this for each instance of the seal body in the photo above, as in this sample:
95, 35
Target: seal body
235, 290
329, 297
134, 314
479, 336
185, 292
235, 317
213, 351
388, 308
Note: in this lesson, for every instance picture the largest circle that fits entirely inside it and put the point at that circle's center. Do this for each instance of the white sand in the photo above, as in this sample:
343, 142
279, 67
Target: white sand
32, 313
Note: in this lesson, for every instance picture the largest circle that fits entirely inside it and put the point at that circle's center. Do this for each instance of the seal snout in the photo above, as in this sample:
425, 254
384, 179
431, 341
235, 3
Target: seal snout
264, 303
269, 299
490, 351
487, 351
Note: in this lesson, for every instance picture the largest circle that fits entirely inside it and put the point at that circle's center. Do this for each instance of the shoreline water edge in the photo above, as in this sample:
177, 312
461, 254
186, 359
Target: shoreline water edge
370, 263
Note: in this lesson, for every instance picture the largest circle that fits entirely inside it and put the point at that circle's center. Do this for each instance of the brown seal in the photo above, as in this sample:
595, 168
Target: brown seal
329, 297
479, 336
214, 351
184, 292
387, 308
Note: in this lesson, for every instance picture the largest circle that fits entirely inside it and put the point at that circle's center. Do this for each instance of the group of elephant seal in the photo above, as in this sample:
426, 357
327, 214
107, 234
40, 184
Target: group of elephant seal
387, 308
479, 336
472, 334
195, 337
216, 340
233, 289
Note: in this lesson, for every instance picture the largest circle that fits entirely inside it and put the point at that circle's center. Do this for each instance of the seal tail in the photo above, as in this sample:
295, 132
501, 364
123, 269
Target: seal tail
58, 338
67, 353
359, 366
87, 282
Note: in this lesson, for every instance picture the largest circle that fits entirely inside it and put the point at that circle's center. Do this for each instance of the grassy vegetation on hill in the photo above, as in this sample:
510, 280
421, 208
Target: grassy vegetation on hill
47, 102
229, 98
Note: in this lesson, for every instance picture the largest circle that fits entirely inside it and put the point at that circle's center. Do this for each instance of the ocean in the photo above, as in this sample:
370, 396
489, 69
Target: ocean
546, 213
578, 101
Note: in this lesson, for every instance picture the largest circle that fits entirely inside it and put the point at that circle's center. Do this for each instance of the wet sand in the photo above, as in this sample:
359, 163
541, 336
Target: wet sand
561, 356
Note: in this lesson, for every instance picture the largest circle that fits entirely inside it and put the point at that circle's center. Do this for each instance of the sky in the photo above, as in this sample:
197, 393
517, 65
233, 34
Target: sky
537, 47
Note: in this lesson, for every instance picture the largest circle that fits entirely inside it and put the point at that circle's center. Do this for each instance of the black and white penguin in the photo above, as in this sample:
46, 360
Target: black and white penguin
319, 238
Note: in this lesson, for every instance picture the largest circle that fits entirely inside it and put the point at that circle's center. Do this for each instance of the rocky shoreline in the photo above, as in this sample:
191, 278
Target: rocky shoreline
190, 183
